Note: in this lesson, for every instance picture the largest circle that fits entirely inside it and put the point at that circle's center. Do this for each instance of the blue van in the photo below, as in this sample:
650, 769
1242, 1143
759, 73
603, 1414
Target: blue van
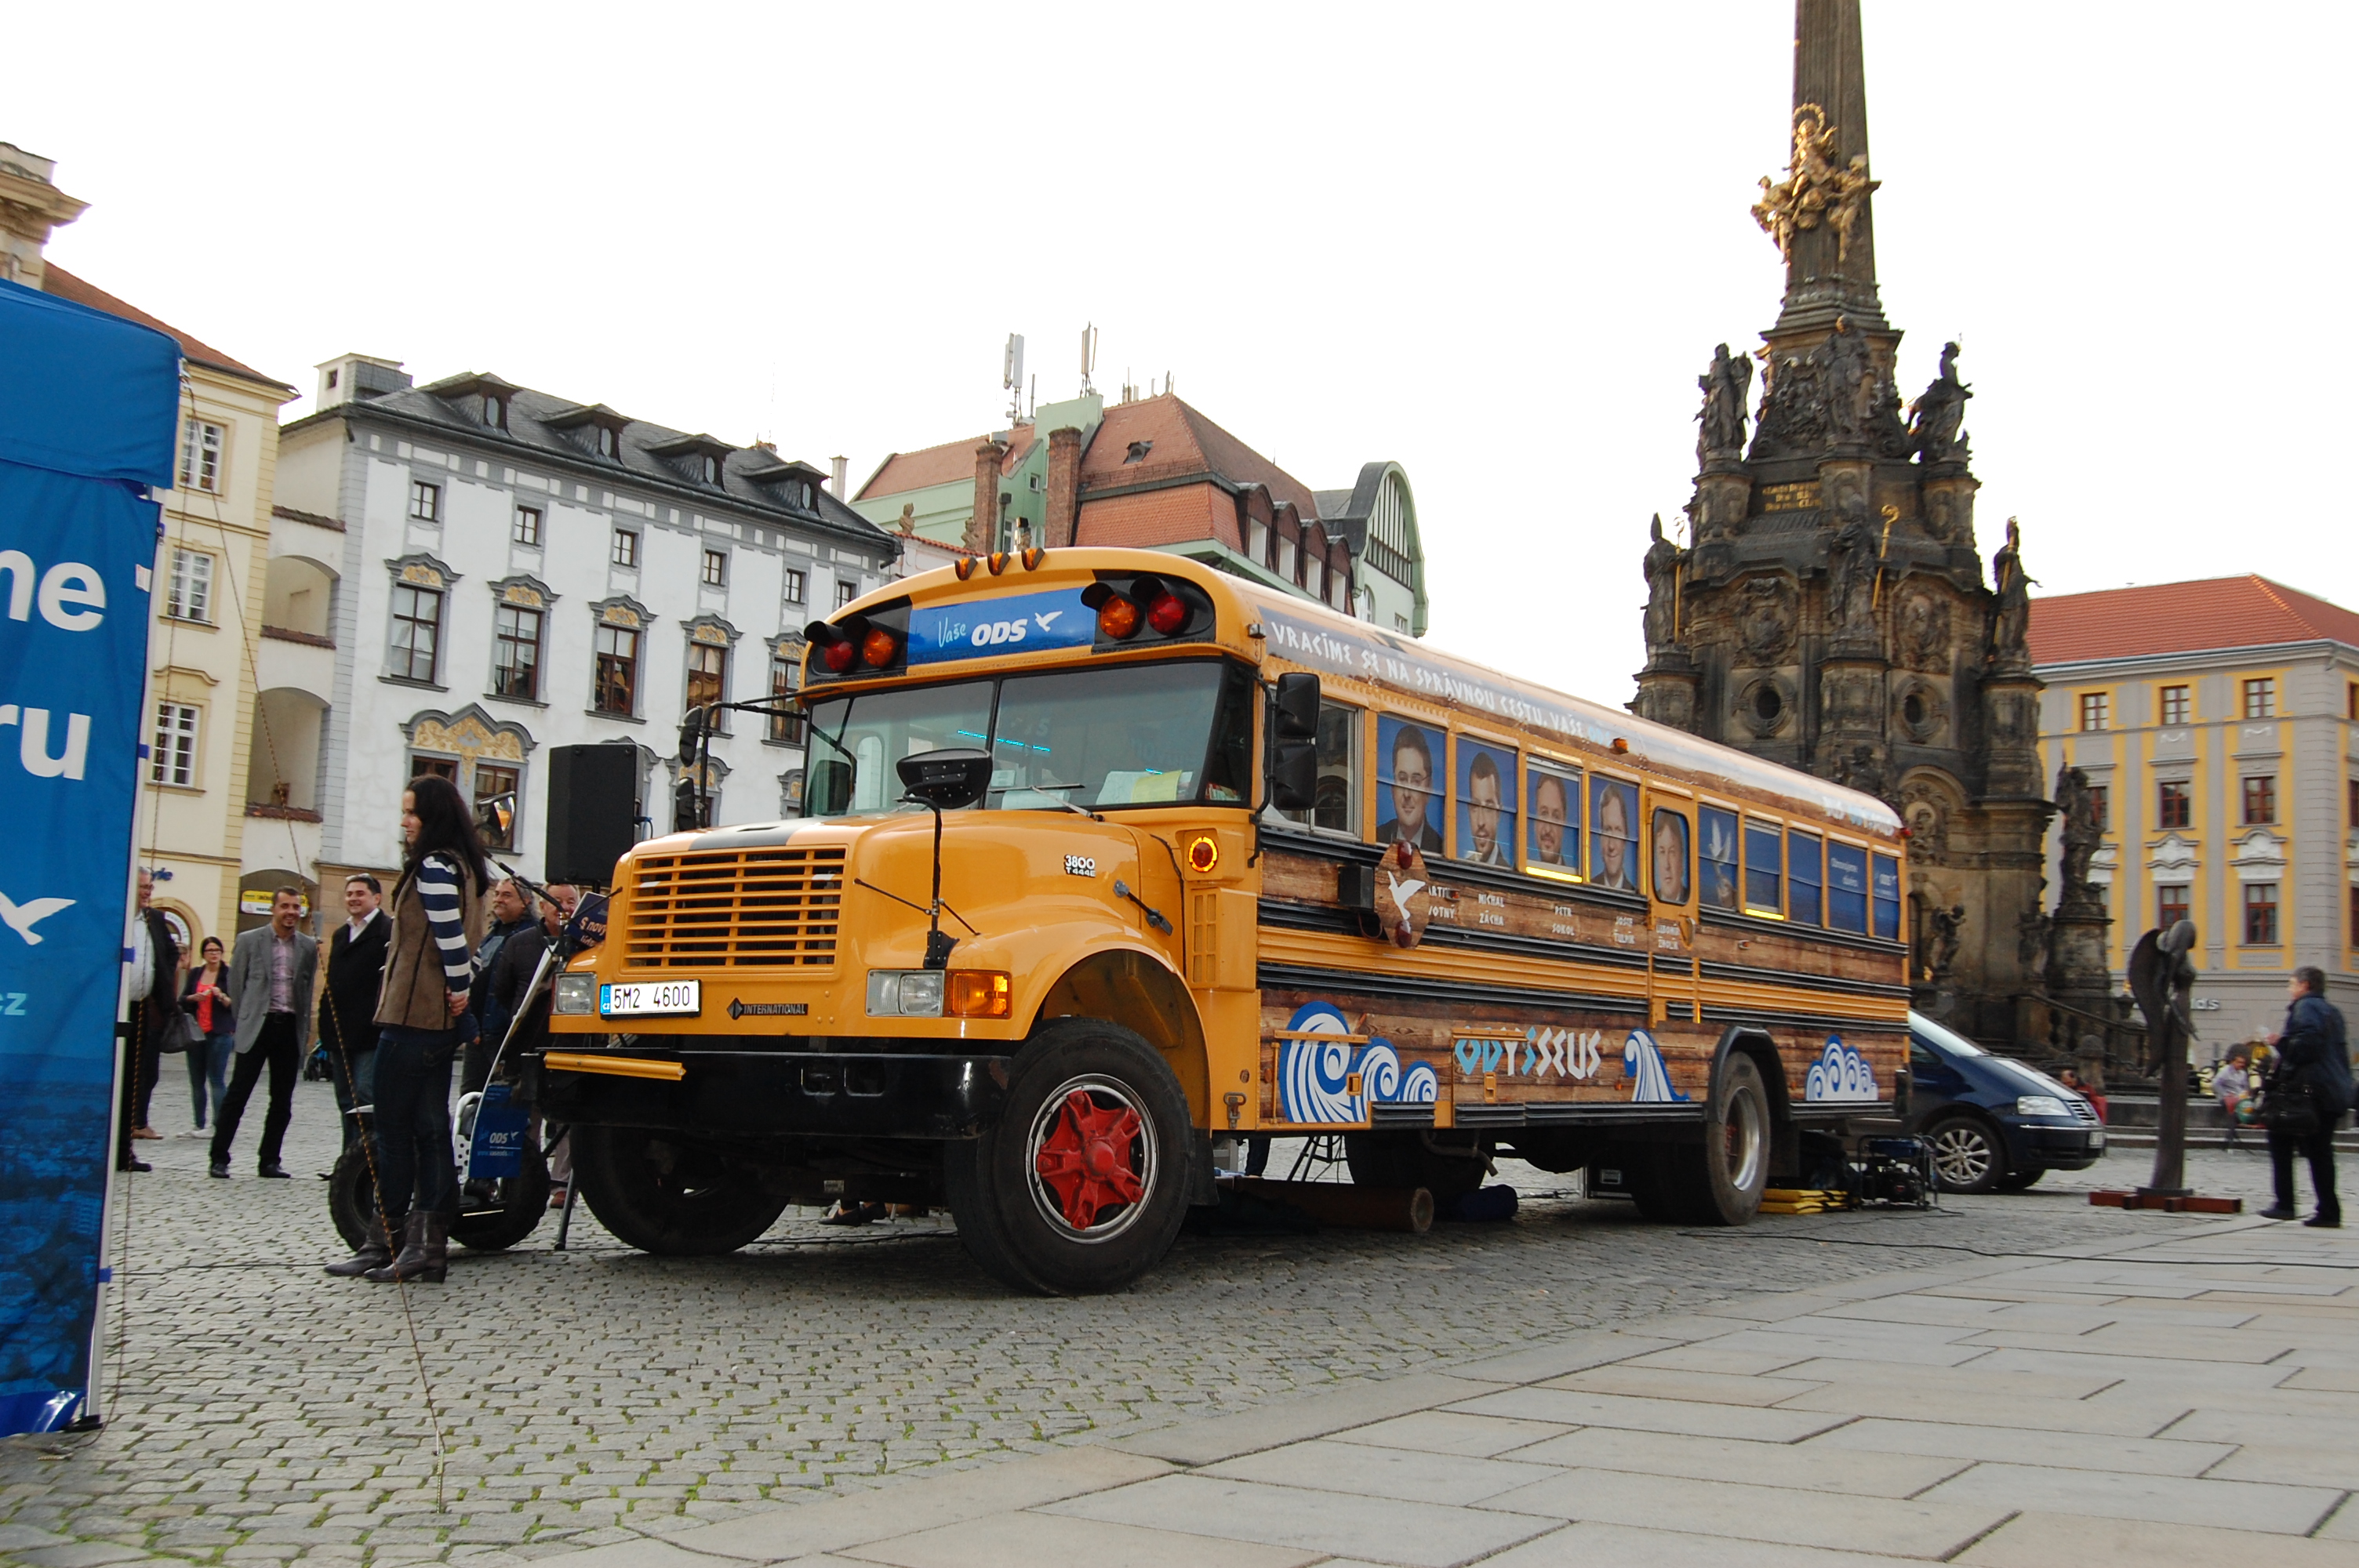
1995, 1125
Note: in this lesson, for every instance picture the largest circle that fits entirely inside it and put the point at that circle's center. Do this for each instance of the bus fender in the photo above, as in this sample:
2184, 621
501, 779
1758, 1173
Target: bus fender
1784, 1148
1139, 990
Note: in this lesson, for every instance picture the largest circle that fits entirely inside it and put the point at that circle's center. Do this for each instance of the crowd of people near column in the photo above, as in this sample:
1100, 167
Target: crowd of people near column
411, 984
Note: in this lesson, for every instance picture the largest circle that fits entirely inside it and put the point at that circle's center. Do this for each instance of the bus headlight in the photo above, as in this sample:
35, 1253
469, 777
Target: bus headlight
577, 993
905, 993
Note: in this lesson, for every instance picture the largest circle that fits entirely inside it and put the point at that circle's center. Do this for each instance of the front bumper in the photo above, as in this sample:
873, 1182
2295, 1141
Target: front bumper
775, 1093
2056, 1145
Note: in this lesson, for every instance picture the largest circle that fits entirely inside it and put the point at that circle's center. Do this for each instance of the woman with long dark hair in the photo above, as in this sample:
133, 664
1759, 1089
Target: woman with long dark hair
205, 1001
439, 911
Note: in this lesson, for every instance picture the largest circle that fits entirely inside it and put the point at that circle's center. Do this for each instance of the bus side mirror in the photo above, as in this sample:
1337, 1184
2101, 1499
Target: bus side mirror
948, 780
691, 733
1294, 775
1297, 706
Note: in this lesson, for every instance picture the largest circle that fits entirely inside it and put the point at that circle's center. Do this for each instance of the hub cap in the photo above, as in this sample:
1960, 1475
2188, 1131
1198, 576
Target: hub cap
1742, 1150
1092, 1159
1962, 1155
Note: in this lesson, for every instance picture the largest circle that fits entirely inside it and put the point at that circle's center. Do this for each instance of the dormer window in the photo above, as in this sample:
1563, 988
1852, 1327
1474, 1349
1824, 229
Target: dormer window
496, 412
1137, 452
711, 467
606, 441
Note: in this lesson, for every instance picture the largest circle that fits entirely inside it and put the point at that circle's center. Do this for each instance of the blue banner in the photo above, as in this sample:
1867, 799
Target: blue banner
86, 420
1012, 623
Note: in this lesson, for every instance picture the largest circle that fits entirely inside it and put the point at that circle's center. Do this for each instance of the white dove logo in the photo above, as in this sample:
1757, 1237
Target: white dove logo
1401, 892
1042, 621
22, 917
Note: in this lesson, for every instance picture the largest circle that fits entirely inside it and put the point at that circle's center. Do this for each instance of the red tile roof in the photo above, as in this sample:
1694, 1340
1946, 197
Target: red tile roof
57, 280
1184, 441
2182, 618
952, 462
1172, 515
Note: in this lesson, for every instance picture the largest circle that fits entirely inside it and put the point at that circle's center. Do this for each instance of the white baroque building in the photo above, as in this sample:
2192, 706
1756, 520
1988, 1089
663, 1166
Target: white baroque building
471, 572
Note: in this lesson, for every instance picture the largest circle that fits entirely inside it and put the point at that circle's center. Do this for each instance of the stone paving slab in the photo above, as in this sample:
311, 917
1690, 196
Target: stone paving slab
1378, 1472
1446, 1431
2171, 1499
1055, 1540
1385, 1530
1684, 1416
1801, 1466
1586, 1545
2033, 1539
1736, 1511
2065, 1450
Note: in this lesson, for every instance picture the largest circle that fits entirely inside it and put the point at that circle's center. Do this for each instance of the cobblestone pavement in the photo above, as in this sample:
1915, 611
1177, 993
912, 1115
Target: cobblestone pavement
257, 1410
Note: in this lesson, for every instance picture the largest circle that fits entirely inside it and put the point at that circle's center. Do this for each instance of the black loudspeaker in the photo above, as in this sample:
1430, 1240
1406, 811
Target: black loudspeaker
593, 812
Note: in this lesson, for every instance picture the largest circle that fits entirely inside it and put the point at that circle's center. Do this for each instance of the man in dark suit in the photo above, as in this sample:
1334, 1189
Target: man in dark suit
1413, 793
154, 995
271, 973
348, 1004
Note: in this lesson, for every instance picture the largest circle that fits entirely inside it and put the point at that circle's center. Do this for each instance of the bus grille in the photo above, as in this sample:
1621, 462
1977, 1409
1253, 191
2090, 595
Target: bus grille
735, 909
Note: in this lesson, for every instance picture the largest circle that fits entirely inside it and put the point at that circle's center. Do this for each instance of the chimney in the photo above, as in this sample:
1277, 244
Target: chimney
351, 377
1064, 488
31, 207
983, 528
842, 466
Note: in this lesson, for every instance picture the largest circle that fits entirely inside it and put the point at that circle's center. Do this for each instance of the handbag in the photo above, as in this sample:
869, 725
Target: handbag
2290, 1107
192, 1033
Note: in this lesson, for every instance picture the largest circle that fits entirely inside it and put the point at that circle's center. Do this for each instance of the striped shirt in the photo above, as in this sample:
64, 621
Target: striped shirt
438, 890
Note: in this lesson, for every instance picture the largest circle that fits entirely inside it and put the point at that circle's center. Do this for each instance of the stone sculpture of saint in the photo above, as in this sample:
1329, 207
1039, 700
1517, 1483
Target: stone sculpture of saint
1725, 388
1851, 381
2011, 625
1850, 589
1662, 567
1939, 413
2076, 820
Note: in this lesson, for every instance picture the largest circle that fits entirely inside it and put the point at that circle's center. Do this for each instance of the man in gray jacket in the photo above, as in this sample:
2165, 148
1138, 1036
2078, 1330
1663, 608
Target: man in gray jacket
271, 973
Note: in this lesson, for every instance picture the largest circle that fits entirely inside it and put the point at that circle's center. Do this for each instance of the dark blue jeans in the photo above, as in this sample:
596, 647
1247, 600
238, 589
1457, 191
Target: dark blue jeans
353, 1077
413, 1119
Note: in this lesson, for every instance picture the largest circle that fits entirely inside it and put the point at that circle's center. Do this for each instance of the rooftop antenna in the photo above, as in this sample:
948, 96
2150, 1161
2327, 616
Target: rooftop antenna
1089, 358
1011, 376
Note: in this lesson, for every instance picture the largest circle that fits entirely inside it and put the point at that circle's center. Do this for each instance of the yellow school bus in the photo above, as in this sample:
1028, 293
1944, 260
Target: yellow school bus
1110, 862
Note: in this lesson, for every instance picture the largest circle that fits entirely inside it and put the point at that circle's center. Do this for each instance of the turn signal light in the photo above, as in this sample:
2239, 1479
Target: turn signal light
1203, 854
981, 993
1118, 618
878, 648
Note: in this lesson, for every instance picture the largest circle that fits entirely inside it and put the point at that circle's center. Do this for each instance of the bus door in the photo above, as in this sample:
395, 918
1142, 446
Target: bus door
1670, 867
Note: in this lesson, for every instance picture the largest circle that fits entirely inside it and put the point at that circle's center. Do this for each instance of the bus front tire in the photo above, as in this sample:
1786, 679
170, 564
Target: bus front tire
668, 1194
1082, 1184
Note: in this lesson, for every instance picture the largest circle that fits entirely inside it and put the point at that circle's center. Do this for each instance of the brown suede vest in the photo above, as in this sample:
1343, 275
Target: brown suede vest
415, 994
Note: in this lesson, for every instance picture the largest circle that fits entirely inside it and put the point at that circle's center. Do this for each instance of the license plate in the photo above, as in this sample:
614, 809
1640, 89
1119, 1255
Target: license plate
675, 998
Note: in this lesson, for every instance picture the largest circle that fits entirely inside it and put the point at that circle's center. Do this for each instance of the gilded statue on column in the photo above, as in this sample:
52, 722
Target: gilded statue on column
1817, 190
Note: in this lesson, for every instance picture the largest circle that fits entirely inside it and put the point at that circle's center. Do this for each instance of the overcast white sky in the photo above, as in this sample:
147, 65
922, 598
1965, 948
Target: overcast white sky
1496, 244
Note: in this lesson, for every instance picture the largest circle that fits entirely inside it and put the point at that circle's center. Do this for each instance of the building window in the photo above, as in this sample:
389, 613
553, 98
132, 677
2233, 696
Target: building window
605, 442
618, 670
716, 568
173, 760
2354, 915
526, 528
515, 653
2096, 710
2100, 806
2176, 708
845, 593
794, 587
626, 551
1335, 800
785, 676
709, 467
416, 631
708, 674
425, 500
2174, 806
2350, 813
2261, 697
190, 594
2350, 699
493, 781
2260, 799
495, 413
423, 766
2260, 914
201, 456
2170, 903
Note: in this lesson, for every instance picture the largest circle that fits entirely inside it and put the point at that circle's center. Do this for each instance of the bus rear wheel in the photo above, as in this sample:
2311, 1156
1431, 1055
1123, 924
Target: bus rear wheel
670, 1194
1081, 1186
1721, 1181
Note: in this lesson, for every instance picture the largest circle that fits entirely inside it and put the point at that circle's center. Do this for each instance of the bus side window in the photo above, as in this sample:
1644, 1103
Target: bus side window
1803, 877
1487, 804
1338, 802
1847, 888
1670, 831
1764, 868
1409, 761
1884, 896
1553, 798
1716, 857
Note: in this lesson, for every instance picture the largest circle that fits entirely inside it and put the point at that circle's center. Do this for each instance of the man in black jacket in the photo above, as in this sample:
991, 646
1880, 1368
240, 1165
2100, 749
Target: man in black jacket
153, 956
2313, 1058
348, 1002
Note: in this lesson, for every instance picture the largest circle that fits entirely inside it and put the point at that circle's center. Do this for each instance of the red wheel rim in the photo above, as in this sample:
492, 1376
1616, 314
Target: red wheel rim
1092, 1159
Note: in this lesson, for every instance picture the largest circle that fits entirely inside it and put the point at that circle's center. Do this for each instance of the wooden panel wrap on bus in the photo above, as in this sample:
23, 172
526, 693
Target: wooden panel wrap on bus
1733, 903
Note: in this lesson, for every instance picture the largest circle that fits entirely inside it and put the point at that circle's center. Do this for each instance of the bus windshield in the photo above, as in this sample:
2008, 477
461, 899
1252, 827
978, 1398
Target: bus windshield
1116, 736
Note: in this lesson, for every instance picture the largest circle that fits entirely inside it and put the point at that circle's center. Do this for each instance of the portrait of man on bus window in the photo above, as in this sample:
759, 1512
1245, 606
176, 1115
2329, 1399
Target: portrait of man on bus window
1613, 835
1670, 858
1716, 858
1555, 815
1410, 777
1487, 804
